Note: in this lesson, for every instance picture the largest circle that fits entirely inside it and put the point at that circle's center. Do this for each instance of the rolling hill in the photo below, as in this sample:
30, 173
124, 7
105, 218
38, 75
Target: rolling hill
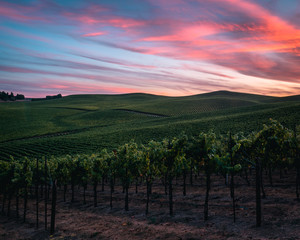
85, 123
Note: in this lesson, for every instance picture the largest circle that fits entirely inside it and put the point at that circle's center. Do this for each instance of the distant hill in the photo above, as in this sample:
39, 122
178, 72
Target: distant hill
229, 94
85, 123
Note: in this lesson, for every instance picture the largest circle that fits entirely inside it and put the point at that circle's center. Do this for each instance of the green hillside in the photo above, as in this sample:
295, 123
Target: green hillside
84, 123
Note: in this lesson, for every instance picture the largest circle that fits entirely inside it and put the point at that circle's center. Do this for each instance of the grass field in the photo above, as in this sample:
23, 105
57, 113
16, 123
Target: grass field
85, 123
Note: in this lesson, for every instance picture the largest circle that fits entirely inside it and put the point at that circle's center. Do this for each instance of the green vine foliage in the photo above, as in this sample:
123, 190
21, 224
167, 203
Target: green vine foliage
275, 146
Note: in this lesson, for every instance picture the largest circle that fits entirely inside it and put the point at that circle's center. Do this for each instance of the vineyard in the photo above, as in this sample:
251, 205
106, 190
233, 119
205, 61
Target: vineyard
171, 166
83, 124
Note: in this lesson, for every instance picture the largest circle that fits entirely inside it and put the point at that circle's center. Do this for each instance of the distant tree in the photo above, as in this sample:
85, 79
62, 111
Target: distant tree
20, 97
12, 97
54, 96
5, 96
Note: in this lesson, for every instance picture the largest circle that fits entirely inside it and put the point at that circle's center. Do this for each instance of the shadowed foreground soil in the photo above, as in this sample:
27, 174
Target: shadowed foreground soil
281, 214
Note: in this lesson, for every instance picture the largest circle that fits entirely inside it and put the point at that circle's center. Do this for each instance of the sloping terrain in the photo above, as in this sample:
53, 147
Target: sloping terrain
84, 123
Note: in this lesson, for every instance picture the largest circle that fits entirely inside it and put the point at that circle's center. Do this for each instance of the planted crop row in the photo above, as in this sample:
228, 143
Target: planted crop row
36, 148
274, 147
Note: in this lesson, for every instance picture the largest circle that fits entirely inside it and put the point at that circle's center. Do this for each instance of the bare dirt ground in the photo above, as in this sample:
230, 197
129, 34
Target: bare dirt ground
281, 214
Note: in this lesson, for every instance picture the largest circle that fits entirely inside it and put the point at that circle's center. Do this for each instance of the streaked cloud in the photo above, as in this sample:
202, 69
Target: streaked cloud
173, 47
94, 34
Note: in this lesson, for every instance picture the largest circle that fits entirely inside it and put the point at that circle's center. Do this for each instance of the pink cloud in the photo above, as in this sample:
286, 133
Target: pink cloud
116, 61
199, 40
20, 12
238, 34
84, 87
122, 22
94, 34
202, 70
45, 87
108, 19
190, 31
19, 70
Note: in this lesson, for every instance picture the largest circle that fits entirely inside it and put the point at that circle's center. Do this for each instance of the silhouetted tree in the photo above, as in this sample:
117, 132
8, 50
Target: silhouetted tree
5, 96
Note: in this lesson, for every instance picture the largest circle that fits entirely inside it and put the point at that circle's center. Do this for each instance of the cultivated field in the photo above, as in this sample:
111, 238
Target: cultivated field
199, 167
87, 123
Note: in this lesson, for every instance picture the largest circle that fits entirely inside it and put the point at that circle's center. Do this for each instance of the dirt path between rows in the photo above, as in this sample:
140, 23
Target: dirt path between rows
281, 214
143, 113
50, 134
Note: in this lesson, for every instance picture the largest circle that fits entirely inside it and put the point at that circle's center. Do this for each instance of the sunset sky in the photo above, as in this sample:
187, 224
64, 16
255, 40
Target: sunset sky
165, 47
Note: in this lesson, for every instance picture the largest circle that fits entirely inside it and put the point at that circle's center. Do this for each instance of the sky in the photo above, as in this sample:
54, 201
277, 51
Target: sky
164, 47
